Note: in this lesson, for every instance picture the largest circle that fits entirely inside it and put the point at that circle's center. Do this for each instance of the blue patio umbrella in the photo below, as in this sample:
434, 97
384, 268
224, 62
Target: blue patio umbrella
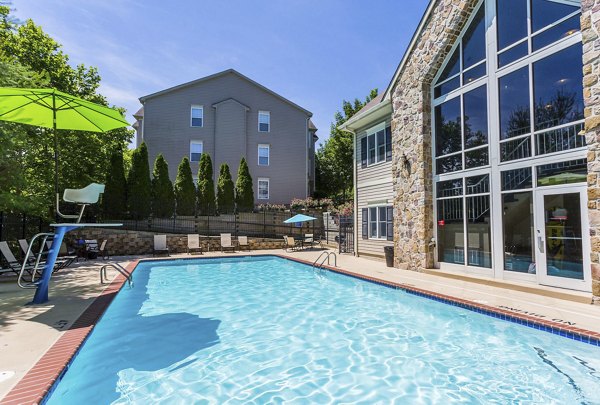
299, 218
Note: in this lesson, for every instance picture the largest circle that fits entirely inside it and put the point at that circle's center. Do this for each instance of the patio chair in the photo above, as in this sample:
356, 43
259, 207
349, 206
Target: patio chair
160, 245
226, 243
292, 244
309, 239
285, 242
193, 244
91, 248
103, 251
243, 243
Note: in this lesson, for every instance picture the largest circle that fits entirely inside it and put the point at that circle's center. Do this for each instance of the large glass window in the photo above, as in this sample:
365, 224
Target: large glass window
378, 145
557, 88
534, 103
378, 222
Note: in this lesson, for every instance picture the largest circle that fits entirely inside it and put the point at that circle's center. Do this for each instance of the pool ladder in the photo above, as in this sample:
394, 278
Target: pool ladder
323, 257
118, 268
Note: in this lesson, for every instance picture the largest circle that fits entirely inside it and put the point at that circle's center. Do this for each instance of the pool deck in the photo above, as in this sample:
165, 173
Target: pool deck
37, 341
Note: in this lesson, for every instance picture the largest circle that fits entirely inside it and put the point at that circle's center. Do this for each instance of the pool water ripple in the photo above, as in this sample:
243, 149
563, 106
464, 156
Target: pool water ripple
268, 330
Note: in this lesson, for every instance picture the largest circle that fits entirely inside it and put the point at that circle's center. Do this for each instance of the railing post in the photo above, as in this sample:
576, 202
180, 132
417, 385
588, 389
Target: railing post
208, 226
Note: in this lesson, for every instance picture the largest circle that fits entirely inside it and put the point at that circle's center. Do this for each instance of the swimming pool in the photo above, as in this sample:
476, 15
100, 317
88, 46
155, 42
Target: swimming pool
269, 330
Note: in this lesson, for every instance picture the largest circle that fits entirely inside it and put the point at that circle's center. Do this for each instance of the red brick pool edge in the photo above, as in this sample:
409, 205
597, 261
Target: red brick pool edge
38, 381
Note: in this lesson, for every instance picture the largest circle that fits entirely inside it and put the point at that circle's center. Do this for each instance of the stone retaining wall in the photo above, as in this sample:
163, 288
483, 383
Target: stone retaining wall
120, 242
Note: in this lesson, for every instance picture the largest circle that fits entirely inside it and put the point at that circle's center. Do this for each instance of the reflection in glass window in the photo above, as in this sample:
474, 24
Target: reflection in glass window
476, 158
511, 21
450, 227
516, 179
557, 89
546, 12
473, 42
517, 222
450, 188
452, 67
512, 54
573, 171
448, 127
446, 87
515, 149
474, 73
560, 31
449, 164
475, 117
479, 240
515, 117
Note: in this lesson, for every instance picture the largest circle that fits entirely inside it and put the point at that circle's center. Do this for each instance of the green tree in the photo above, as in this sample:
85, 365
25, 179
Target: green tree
163, 198
225, 193
114, 199
185, 191
206, 186
34, 59
244, 191
139, 189
334, 160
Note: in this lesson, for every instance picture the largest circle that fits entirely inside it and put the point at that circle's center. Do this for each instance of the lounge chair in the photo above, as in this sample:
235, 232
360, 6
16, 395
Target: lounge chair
160, 245
243, 243
63, 259
285, 242
193, 244
13, 264
226, 243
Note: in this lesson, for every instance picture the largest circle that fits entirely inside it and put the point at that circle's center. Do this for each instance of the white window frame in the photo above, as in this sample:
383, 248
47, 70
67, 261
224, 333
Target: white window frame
268, 148
196, 107
264, 179
372, 132
194, 142
495, 166
268, 115
377, 221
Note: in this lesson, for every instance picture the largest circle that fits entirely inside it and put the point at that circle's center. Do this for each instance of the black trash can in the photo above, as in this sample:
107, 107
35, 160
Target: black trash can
389, 255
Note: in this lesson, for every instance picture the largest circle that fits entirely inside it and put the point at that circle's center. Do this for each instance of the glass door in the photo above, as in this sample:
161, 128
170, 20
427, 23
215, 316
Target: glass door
562, 238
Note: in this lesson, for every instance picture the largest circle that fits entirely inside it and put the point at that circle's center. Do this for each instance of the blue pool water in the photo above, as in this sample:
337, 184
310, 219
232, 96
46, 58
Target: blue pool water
268, 330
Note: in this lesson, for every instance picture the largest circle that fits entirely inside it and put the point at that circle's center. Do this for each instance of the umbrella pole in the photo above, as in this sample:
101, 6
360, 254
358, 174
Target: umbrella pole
55, 155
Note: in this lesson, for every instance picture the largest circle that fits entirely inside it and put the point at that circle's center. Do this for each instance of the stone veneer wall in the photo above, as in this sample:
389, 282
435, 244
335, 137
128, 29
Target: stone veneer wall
411, 134
139, 243
590, 28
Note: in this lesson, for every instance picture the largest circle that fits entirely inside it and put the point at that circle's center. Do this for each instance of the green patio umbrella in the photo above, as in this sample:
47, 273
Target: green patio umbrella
50, 108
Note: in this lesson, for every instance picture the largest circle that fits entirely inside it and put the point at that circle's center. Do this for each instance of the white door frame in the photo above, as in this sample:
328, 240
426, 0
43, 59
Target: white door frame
540, 238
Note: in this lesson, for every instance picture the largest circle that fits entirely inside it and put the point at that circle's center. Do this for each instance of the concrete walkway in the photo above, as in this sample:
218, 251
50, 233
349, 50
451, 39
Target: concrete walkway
27, 332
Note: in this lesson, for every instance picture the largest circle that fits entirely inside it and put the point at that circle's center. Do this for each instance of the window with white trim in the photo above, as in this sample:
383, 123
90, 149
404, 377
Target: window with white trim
195, 151
376, 146
377, 222
264, 121
263, 189
197, 116
264, 154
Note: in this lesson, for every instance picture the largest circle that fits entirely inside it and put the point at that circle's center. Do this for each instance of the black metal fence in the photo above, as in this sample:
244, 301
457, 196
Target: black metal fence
20, 226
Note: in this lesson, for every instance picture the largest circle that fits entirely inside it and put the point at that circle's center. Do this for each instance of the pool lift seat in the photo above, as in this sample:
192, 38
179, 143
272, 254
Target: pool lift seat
90, 194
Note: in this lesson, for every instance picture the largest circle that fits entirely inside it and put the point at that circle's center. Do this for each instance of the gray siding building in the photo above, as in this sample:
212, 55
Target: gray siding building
230, 116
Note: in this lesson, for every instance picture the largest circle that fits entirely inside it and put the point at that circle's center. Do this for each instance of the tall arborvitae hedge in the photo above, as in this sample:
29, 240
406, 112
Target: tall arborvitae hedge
139, 190
185, 190
225, 194
206, 186
163, 198
114, 199
244, 192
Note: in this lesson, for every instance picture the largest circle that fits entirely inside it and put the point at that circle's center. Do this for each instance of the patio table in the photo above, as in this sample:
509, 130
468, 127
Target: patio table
41, 292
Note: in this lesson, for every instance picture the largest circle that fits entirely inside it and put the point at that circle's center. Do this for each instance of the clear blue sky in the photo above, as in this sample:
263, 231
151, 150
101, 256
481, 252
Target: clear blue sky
316, 53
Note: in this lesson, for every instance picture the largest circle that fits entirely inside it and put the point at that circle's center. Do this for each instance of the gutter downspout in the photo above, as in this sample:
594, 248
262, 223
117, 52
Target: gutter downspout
354, 189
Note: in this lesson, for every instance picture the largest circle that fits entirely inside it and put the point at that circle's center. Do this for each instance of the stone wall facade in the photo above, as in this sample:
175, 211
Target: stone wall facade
121, 242
411, 134
590, 29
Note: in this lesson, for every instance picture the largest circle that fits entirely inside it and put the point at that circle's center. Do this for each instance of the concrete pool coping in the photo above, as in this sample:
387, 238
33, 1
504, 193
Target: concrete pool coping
558, 316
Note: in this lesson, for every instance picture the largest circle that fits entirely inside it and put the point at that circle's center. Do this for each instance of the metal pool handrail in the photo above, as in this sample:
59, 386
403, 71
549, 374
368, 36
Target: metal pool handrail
118, 268
325, 256
24, 265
